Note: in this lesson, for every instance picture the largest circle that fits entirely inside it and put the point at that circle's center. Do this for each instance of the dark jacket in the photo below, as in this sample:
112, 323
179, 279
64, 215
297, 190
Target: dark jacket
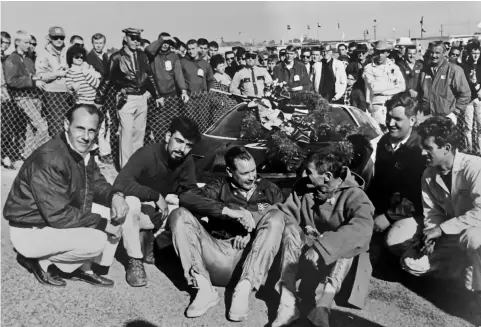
475, 87
295, 77
100, 65
149, 172
397, 172
211, 199
54, 188
18, 71
122, 76
169, 81
357, 98
232, 69
194, 82
411, 76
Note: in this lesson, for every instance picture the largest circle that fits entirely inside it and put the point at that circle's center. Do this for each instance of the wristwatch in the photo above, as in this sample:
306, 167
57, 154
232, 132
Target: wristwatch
119, 194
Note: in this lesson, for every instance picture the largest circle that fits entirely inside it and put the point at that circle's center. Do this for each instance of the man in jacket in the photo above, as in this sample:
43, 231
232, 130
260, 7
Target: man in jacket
237, 236
411, 70
154, 177
383, 79
131, 76
168, 75
395, 190
231, 68
329, 75
335, 215
250, 80
51, 67
292, 73
472, 70
451, 193
51, 211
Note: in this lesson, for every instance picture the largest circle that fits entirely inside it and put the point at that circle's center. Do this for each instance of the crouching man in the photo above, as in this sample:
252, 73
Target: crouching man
450, 241
337, 219
238, 236
50, 208
152, 178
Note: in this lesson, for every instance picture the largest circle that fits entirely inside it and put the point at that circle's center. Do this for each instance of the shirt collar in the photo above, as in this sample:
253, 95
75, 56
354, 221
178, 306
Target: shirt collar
396, 146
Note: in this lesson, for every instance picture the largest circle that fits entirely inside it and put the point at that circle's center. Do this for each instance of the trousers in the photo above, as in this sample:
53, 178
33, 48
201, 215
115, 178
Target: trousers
472, 126
217, 259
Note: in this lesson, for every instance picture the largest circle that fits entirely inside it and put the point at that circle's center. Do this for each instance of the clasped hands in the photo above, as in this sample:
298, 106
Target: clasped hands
247, 220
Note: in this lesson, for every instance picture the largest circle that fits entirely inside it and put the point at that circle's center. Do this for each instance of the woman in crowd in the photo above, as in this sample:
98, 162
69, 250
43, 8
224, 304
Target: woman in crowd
218, 66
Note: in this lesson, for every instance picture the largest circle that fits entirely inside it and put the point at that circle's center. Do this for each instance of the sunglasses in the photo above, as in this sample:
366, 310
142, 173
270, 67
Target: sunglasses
58, 37
455, 54
307, 57
360, 53
253, 56
78, 56
230, 58
33, 44
135, 37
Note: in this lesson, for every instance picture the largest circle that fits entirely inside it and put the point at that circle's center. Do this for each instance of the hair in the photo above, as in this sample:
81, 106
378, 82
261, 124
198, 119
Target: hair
442, 129
273, 58
75, 37
454, 48
315, 49
228, 53
192, 41
404, 100
327, 160
180, 44
214, 44
5, 35
144, 42
33, 38
187, 127
216, 60
20, 35
98, 36
290, 48
352, 45
73, 50
202, 41
341, 45
436, 44
236, 152
163, 34
474, 45
240, 52
91, 109
305, 50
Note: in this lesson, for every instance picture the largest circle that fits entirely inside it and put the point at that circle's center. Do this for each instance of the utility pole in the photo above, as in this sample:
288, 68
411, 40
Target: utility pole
375, 25
441, 30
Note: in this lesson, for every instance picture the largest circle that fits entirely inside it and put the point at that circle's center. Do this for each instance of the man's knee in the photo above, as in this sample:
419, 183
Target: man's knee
179, 217
472, 238
95, 243
401, 235
103, 211
274, 220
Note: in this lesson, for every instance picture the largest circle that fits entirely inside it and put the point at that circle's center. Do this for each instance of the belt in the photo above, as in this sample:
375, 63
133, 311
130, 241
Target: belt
135, 92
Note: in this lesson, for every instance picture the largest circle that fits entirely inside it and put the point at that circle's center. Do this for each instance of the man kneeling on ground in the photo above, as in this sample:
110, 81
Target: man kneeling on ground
238, 234
337, 219
152, 178
53, 219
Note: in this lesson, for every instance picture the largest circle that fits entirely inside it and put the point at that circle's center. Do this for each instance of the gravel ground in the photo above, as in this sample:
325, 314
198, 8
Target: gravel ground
395, 299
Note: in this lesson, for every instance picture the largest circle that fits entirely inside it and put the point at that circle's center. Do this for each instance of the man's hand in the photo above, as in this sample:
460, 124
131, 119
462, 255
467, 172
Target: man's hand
185, 97
163, 207
432, 234
119, 209
40, 84
428, 249
114, 231
381, 223
312, 256
172, 199
160, 102
241, 215
413, 93
240, 242
61, 72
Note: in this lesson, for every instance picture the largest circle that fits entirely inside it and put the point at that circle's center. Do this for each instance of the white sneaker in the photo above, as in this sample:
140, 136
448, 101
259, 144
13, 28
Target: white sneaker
286, 314
239, 308
206, 298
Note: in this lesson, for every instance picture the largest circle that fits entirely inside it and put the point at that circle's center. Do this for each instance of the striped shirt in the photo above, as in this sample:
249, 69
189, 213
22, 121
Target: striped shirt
83, 84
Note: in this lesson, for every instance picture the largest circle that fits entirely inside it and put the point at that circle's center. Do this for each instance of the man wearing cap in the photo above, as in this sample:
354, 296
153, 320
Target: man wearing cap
292, 73
51, 67
250, 80
383, 79
282, 56
329, 75
410, 67
131, 76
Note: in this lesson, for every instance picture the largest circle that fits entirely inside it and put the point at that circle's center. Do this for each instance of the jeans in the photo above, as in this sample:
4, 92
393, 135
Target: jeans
472, 128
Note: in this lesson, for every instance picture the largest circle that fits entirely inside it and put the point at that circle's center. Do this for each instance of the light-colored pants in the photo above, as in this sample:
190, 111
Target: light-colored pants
132, 241
132, 123
104, 138
472, 121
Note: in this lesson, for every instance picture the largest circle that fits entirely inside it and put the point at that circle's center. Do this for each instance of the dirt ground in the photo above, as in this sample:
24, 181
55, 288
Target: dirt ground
395, 298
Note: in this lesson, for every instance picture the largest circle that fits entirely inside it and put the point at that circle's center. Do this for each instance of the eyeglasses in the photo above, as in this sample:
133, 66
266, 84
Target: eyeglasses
251, 56
135, 37
78, 56
242, 58
58, 37
455, 54
230, 58
307, 57
33, 44
360, 53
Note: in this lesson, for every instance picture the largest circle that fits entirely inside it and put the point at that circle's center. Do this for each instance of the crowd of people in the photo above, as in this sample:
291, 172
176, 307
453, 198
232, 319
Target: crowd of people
66, 220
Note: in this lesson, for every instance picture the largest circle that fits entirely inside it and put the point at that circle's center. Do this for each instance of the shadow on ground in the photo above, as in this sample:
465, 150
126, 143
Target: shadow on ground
139, 323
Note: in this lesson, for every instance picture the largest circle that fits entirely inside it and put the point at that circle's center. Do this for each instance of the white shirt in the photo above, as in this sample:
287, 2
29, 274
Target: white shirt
396, 146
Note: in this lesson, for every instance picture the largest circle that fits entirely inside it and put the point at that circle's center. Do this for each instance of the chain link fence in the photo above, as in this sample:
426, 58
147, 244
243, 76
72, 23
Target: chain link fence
31, 117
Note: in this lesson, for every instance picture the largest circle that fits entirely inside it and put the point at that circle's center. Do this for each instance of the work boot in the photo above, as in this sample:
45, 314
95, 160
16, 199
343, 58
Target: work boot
319, 316
287, 312
239, 308
206, 298
135, 274
147, 246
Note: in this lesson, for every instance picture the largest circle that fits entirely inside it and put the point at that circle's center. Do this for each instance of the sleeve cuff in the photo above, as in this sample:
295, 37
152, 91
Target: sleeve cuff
102, 224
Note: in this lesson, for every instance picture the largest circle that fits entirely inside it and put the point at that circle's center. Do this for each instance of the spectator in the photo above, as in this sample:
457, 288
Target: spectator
306, 60
359, 58
131, 76
329, 75
383, 79
153, 178
203, 45
447, 48
351, 48
271, 64
335, 215
292, 73
210, 254
451, 204
21, 78
7, 120
32, 54
217, 63
273, 50
354, 95
55, 207
444, 89
263, 56
240, 59
411, 70
143, 44
316, 55
181, 49
76, 39
231, 68
6, 41
197, 73
82, 80
213, 48
345, 60
342, 50
282, 56
251, 80
455, 56
472, 70
51, 67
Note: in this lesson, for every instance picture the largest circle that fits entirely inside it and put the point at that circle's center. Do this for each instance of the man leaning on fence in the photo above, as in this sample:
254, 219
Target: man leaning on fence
51, 211
131, 76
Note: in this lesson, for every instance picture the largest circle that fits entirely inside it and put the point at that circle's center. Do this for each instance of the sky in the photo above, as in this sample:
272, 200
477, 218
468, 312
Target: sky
244, 21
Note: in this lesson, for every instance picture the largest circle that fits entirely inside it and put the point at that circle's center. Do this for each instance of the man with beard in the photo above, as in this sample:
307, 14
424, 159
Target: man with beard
335, 215
329, 75
250, 80
292, 73
153, 178
239, 236
411, 69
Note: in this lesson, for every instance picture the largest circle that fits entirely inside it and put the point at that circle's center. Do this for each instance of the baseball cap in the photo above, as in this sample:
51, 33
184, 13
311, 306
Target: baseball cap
56, 31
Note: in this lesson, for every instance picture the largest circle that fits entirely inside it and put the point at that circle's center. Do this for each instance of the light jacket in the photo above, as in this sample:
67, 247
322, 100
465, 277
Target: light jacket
444, 93
383, 81
242, 82
458, 209
48, 62
339, 75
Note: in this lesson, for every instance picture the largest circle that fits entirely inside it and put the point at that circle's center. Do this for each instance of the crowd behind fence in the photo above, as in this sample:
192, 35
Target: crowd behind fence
25, 128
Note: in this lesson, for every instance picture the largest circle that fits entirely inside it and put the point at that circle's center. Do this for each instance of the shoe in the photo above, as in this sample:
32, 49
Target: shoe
147, 244
46, 278
239, 308
206, 298
92, 278
287, 312
319, 316
135, 275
